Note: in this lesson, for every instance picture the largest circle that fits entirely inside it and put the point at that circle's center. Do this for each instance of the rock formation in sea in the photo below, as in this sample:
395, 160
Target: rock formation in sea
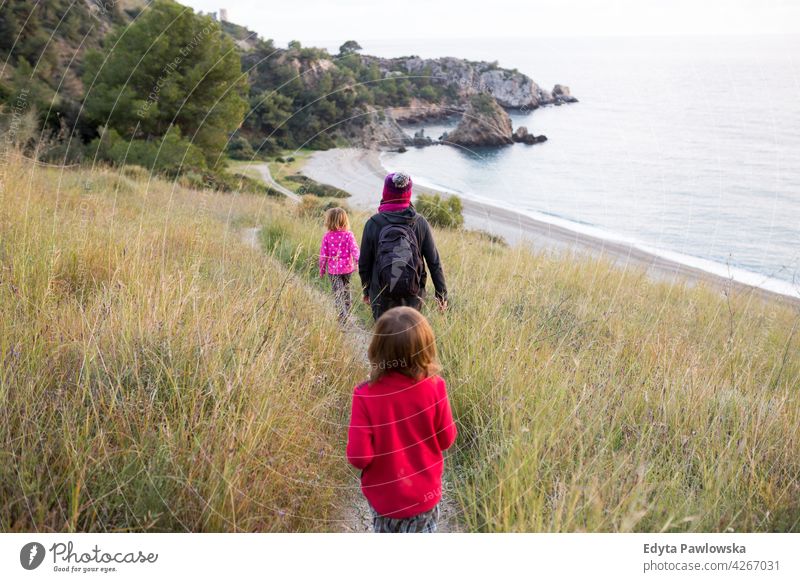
562, 94
521, 135
376, 130
484, 123
420, 139
479, 92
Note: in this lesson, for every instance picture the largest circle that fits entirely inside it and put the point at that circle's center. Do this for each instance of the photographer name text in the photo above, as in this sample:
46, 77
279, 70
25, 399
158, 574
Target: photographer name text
661, 549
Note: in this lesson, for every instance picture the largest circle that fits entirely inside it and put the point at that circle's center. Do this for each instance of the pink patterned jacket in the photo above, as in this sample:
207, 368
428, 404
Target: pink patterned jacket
338, 253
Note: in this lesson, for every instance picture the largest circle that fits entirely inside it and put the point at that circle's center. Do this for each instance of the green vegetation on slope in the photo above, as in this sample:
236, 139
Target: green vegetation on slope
163, 87
41, 48
171, 73
303, 97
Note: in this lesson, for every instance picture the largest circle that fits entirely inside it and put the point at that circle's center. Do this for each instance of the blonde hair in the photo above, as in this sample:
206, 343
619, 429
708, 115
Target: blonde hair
336, 219
403, 341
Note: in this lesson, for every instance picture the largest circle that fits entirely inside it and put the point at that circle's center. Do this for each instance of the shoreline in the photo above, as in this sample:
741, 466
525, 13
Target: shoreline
360, 172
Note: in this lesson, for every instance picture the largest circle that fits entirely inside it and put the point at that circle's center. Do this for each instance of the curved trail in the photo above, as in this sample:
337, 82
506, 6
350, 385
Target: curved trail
356, 516
266, 176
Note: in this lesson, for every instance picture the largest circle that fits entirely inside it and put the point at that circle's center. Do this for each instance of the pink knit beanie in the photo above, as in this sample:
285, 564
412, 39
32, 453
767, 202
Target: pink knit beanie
397, 190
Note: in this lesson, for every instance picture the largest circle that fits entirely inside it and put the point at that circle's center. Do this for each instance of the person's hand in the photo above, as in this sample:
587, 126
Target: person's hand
442, 304
365, 299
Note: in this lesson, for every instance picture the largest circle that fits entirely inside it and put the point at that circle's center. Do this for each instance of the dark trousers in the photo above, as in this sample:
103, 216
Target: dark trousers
383, 304
341, 294
423, 523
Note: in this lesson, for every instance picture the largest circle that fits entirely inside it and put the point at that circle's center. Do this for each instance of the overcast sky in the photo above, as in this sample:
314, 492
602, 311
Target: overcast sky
322, 20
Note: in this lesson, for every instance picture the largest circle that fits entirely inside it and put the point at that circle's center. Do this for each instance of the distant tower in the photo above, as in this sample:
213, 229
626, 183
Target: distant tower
213, 16
223, 15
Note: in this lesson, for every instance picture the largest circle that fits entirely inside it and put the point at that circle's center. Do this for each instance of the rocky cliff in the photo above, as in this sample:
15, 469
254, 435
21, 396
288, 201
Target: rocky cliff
461, 79
484, 123
418, 110
511, 89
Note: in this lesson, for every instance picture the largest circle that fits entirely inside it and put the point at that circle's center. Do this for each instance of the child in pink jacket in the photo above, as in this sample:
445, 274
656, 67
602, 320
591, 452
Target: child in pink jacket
338, 256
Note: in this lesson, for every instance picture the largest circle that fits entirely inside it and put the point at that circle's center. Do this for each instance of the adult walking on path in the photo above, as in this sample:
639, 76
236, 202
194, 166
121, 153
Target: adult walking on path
395, 241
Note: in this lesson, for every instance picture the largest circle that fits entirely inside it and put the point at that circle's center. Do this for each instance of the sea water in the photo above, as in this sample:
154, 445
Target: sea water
687, 147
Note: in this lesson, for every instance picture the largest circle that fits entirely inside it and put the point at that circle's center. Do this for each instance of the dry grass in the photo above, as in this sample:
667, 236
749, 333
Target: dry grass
159, 375
589, 398
156, 373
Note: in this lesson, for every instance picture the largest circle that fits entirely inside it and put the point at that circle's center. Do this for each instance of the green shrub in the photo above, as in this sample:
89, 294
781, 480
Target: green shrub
226, 182
240, 149
64, 152
492, 238
135, 172
483, 103
429, 93
313, 206
166, 85
169, 155
447, 213
314, 188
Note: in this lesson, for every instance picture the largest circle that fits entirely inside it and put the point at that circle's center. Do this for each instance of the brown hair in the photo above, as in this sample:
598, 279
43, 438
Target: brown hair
336, 219
403, 341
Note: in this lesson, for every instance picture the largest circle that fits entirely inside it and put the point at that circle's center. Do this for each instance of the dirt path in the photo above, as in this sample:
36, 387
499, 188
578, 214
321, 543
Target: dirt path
356, 516
263, 170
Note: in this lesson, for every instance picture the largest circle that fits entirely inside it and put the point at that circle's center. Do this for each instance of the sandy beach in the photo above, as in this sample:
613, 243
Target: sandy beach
359, 172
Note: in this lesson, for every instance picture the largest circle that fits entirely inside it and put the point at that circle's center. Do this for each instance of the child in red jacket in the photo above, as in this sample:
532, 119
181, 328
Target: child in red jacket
400, 424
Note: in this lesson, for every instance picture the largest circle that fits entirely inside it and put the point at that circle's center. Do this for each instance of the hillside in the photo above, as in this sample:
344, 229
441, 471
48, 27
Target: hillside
69, 75
160, 375
43, 44
307, 97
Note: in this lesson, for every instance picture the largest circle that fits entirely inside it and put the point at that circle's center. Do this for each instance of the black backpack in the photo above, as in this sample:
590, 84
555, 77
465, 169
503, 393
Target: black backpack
399, 261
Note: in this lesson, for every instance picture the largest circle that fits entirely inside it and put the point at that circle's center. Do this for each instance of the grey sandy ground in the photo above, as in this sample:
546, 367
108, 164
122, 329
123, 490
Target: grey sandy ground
360, 172
356, 516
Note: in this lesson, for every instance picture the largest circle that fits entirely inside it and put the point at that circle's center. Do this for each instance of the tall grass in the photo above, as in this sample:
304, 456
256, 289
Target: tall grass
157, 374
590, 398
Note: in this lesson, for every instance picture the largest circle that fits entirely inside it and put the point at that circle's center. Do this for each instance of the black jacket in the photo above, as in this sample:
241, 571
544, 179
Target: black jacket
367, 268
